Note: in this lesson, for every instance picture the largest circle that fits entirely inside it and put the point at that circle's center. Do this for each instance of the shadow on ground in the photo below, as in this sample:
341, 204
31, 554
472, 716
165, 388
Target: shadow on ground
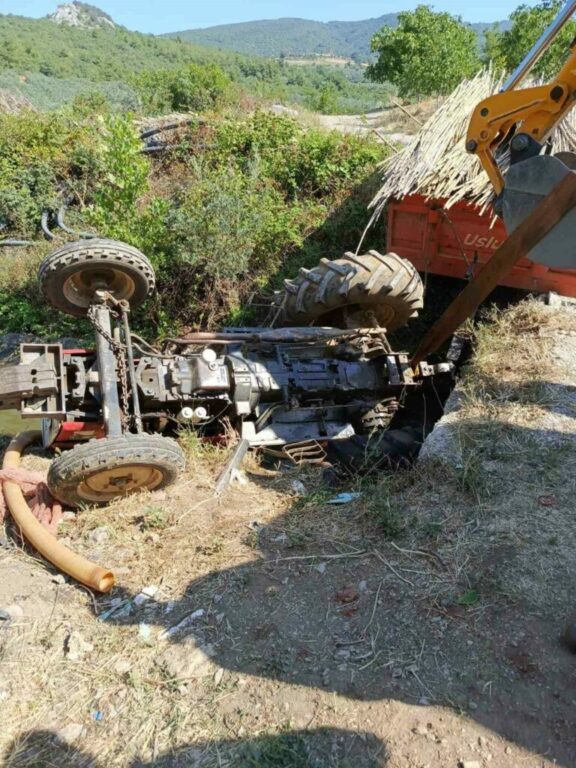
322, 748
366, 621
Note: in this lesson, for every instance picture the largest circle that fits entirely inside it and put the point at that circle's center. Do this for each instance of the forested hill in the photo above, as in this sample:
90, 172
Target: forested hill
299, 37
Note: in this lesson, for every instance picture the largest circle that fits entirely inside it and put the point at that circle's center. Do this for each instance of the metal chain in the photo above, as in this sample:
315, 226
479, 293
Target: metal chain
119, 352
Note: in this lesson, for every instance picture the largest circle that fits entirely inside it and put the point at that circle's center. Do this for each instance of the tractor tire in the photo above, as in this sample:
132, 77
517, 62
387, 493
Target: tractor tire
70, 275
100, 471
353, 292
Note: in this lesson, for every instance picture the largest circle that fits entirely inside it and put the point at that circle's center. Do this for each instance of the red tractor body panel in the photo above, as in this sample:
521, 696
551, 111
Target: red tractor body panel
461, 240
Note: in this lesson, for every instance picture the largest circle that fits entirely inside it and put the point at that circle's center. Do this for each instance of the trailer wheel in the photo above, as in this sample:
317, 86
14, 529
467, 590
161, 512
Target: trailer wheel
70, 275
354, 292
103, 470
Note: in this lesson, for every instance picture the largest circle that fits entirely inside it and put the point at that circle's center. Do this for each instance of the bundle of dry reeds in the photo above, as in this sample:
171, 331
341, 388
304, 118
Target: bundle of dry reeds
435, 164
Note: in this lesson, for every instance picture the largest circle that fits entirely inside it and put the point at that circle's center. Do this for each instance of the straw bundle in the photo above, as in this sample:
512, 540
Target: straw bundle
435, 163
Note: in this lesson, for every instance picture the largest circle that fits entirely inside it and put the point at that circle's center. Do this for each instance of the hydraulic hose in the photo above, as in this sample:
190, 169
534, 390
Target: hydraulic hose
76, 566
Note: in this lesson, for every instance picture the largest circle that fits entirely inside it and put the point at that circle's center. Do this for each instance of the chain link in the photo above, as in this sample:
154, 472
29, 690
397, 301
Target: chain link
119, 351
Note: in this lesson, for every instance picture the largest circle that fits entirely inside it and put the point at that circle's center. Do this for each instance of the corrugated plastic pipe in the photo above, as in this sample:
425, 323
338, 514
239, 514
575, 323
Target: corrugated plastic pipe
76, 566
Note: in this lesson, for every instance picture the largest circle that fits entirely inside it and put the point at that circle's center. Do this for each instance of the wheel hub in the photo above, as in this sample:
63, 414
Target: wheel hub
107, 484
80, 287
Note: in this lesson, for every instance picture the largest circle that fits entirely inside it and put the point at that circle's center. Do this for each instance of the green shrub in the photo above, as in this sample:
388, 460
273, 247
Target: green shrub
195, 88
243, 203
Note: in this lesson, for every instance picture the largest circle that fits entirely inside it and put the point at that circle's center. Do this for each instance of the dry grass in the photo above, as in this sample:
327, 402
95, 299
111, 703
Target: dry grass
452, 561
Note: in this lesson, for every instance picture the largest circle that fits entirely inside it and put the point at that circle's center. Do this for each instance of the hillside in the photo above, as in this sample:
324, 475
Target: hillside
299, 37
73, 57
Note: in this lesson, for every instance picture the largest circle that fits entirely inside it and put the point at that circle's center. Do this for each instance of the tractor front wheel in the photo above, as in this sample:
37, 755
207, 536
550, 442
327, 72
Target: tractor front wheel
100, 471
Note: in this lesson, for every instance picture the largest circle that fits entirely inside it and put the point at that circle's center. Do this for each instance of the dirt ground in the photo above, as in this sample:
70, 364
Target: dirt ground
396, 124
415, 627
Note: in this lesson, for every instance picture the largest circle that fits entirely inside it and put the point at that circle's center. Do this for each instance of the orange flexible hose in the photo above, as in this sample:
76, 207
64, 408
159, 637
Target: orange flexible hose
76, 566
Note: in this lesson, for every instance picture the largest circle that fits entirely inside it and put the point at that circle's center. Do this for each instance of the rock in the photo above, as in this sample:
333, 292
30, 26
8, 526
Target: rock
469, 764
362, 586
14, 611
122, 666
99, 535
59, 579
321, 567
187, 660
71, 732
297, 487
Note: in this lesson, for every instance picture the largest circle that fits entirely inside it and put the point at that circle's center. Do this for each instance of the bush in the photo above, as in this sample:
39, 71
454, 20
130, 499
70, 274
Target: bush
195, 88
243, 201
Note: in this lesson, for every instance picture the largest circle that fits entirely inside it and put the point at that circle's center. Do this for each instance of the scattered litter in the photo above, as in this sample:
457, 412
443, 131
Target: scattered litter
99, 535
321, 567
218, 675
344, 498
238, 476
4, 615
150, 591
170, 605
59, 578
140, 599
547, 501
282, 538
186, 622
75, 647
4, 695
217, 598
254, 525
98, 716
346, 595
469, 764
71, 733
298, 487
14, 611
144, 631
122, 666
362, 586
120, 610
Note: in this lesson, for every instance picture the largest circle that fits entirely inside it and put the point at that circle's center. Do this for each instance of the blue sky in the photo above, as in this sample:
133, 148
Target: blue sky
172, 15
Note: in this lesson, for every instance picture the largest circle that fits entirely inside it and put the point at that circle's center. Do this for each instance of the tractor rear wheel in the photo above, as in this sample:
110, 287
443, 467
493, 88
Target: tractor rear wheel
100, 471
353, 292
70, 276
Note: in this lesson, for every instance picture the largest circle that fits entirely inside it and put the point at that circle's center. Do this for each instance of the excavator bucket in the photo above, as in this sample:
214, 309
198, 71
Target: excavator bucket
527, 183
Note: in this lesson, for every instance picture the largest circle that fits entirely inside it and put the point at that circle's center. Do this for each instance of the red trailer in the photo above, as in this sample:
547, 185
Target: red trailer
459, 240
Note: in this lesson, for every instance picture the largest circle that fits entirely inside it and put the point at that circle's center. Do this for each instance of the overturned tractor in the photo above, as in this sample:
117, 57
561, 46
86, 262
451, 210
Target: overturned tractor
287, 389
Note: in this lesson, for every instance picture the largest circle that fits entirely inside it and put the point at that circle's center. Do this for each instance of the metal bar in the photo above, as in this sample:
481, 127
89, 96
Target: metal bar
547, 214
540, 46
108, 375
131, 370
231, 465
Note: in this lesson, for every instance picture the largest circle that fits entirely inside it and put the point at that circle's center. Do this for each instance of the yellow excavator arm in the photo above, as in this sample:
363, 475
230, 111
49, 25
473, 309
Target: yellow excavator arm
520, 121
531, 112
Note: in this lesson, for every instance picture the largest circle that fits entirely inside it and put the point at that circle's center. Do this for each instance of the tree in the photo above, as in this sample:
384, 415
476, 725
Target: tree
507, 49
427, 54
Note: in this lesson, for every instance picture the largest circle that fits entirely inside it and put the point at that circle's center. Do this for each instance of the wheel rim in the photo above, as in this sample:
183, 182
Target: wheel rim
108, 484
80, 286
